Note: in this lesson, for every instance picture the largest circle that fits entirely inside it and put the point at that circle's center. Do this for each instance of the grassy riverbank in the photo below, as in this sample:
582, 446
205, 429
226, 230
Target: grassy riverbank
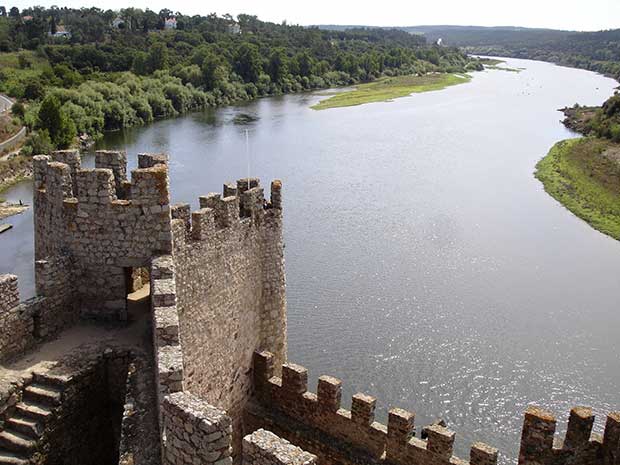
584, 176
389, 88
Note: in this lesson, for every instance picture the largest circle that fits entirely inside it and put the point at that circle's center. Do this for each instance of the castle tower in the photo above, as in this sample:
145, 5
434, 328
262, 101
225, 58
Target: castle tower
218, 272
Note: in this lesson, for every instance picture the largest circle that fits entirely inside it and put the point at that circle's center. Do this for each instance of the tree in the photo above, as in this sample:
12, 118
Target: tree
14, 12
304, 63
248, 63
158, 57
60, 127
277, 68
2, 11
214, 71
38, 143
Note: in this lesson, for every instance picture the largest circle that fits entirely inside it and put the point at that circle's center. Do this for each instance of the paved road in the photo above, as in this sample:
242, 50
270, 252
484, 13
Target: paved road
5, 103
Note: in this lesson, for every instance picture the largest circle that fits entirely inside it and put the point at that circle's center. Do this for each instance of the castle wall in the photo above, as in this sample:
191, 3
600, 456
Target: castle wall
196, 432
265, 448
229, 272
318, 424
578, 447
23, 324
105, 224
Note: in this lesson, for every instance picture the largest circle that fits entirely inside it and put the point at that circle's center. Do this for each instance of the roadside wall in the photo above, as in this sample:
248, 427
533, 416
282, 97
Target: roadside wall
13, 141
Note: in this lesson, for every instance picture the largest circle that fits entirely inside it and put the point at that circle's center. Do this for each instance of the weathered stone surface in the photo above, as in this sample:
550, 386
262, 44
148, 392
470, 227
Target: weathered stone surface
218, 309
265, 448
196, 432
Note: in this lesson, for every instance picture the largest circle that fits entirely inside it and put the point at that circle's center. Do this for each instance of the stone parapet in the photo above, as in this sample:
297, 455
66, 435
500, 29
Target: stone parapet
265, 448
196, 432
354, 432
579, 446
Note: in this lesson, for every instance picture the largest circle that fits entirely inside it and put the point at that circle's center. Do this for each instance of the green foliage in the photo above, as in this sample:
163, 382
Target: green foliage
107, 77
247, 62
157, 58
584, 175
56, 122
390, 88
38, 143
24, 62
18, 109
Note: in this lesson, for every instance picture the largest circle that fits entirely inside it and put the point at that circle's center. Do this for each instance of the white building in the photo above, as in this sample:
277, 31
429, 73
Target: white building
170, 23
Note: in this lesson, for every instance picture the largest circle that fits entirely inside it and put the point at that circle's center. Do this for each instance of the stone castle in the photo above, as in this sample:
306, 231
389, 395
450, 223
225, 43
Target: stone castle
204, 379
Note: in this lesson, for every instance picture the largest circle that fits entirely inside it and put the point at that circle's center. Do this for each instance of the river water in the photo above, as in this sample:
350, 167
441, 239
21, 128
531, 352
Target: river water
425, 264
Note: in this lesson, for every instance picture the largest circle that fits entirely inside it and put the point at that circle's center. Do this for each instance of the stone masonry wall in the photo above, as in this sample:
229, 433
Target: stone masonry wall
16, 321
579, 447
22, 324
318, 424
196, 433
229, 270
265, 448
167, 348
105, 224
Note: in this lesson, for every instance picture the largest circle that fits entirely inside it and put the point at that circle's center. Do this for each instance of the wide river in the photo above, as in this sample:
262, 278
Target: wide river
425, 263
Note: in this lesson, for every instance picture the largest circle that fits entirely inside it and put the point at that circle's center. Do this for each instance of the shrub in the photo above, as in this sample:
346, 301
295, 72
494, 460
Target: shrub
18, 109
38, 143
61, 128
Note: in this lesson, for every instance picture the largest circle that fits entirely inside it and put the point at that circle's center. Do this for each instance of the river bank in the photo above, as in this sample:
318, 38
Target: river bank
390, 88
584, 176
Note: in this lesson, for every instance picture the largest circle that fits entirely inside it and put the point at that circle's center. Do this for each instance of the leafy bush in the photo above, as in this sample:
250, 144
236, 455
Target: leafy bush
18, 109
38, 143
56, 122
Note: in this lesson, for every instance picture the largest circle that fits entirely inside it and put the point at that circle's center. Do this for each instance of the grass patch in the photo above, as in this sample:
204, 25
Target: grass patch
504, 68
491, 61
389, 88
584, 176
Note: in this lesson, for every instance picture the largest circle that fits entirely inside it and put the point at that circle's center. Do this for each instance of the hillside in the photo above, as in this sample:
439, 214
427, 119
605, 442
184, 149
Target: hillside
91, 70
594, 51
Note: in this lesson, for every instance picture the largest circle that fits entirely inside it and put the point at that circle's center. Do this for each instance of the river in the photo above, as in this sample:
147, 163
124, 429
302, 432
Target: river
425, 263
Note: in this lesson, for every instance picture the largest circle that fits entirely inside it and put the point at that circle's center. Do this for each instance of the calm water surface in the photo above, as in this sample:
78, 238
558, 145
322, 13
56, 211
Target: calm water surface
425, 263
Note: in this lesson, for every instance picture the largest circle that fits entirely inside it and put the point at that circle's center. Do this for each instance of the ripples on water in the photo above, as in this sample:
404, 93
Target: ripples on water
425, 264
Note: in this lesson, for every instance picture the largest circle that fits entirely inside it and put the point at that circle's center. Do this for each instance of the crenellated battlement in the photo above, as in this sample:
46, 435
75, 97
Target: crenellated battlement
395, 443
222, 213
60, 177
103, 222
218, 313
579, 446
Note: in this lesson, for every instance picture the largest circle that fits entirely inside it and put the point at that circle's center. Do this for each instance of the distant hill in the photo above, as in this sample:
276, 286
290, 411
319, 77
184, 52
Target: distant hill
465, 36
595, 51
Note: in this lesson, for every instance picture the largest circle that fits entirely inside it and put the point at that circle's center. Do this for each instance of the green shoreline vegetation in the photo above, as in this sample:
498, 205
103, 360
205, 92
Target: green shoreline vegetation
389, 88
81, 72
584, 176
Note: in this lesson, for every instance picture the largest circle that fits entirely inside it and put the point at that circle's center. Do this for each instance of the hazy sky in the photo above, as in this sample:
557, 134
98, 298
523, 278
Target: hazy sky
557, 14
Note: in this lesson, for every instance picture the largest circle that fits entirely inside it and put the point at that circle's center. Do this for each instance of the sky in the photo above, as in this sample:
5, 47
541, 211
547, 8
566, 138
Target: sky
582, 15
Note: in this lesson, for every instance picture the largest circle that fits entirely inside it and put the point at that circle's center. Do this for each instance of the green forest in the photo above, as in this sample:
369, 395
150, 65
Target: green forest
86, 71
594, 51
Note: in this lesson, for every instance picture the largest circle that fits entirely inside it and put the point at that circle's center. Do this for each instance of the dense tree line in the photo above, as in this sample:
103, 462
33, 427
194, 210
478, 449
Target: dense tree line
594, 51
119, 68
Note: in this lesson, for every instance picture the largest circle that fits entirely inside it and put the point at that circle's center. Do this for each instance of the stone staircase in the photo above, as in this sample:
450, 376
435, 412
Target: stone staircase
24, 426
